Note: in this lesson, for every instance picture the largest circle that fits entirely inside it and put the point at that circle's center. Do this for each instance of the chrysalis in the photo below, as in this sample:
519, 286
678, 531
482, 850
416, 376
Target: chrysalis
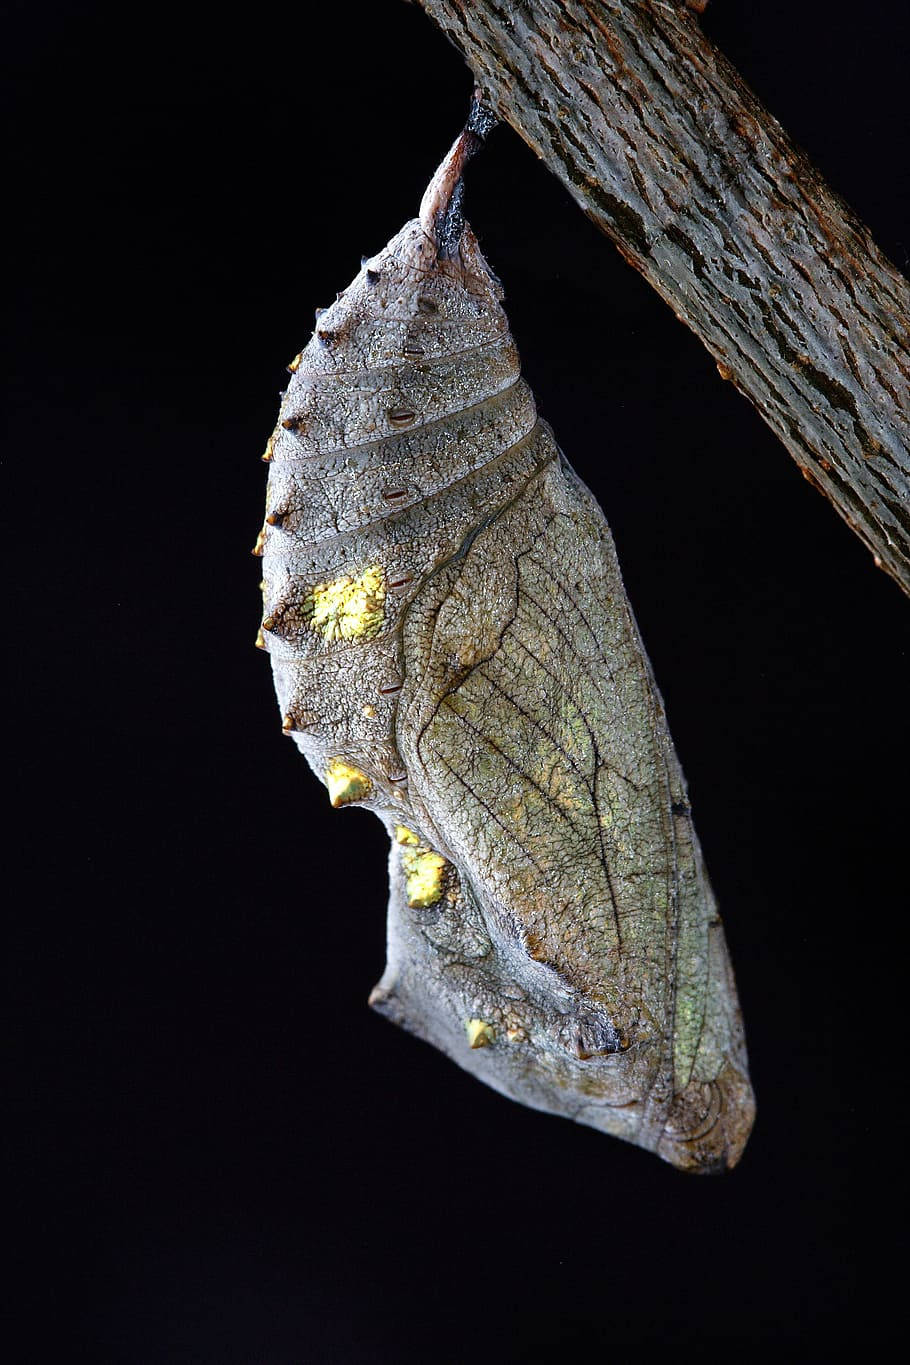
453, 648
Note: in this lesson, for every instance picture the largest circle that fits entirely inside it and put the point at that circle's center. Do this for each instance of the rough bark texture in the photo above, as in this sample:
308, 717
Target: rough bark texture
666, 148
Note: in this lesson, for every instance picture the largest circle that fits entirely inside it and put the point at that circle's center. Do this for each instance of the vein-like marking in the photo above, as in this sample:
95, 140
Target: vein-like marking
590, 783
701, 1024
513, 763
432, 645
599, 761
461, 553
599, 758
510, 833
577, 609
538, 723
569, 643
707, 990
624, 777
538, 663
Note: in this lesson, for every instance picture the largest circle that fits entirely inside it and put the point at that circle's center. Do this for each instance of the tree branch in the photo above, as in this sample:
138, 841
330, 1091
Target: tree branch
666, 148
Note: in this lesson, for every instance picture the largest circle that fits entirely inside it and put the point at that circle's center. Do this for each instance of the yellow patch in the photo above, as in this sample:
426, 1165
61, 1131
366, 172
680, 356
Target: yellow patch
346, 783
423, 876
349, 608
424, 870
479, 1032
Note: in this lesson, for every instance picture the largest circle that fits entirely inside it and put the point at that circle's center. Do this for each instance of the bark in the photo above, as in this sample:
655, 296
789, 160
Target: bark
670, 153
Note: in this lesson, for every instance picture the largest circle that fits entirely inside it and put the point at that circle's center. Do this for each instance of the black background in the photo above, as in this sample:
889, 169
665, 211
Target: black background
220, 1153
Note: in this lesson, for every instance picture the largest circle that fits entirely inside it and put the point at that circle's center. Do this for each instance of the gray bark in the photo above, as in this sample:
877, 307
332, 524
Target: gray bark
670, 153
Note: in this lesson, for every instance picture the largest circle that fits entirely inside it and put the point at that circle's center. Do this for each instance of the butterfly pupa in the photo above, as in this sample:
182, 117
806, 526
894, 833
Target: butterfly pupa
453, 648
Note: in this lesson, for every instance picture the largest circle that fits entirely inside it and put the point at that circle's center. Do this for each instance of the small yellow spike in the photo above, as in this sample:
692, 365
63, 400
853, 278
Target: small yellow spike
269, 453
479, 1032
260, 544
268, 623
287, 724
260, 640
424, 871
273, 519
346, 783
295, 362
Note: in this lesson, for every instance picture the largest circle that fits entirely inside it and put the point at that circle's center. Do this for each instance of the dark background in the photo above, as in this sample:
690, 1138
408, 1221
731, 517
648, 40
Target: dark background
219, 1153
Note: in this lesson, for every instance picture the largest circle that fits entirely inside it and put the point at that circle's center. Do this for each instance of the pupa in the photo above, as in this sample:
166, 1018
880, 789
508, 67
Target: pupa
453, 648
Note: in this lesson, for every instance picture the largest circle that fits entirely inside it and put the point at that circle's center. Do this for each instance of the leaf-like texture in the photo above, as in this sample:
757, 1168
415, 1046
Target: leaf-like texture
453, 648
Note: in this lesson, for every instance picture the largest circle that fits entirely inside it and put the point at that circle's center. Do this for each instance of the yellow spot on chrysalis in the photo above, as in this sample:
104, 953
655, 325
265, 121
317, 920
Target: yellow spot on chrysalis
269, 451
369, 711
346, 783
260, 640
424, 870
516, 1034
295, 362
287, 724
479, 1032
260, 543
348, 608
